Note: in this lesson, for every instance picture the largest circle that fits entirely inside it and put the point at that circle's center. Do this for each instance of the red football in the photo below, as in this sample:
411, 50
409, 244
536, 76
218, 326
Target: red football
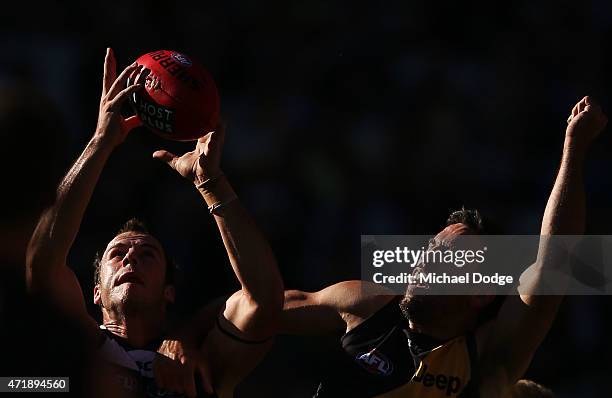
183, 105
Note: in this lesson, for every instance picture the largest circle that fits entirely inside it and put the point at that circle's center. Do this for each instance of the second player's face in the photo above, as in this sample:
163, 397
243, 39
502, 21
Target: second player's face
422, 305
132, 272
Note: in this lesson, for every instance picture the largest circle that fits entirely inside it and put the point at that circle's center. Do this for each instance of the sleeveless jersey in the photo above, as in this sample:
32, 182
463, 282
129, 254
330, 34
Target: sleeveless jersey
131, 368
384, 359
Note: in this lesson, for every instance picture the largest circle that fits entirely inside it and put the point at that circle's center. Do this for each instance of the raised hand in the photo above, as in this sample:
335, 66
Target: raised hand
586, 122
201, 164
111, 124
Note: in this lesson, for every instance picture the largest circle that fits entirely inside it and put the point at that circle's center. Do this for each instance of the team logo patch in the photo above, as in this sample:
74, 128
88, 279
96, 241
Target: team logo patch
375, 362
181, 59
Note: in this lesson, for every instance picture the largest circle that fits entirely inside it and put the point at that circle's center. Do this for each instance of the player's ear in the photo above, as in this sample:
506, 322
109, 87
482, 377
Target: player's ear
96, 296
169, 293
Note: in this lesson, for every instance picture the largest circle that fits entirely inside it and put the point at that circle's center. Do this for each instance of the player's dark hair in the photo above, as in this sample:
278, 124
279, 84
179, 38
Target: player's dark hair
473, 219
135, 225
469, 217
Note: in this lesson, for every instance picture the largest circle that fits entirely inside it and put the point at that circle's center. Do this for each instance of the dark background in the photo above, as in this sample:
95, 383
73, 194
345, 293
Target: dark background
343, 119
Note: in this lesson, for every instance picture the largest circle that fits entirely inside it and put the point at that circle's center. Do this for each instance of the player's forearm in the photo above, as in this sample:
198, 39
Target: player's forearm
564, 215
59, 224
250, 255
544, 283
565, 210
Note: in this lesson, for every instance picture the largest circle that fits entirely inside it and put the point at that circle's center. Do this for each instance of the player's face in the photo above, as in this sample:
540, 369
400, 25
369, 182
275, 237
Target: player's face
132, 273
437, 310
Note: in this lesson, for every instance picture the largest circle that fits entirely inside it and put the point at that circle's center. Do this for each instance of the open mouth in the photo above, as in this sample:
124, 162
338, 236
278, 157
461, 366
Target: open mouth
128, 277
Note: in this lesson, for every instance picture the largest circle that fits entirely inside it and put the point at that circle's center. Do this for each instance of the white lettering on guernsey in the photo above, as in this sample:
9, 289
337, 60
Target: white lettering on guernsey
138, 364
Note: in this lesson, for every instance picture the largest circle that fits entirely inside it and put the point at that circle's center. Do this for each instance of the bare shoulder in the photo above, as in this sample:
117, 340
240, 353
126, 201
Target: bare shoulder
358, 300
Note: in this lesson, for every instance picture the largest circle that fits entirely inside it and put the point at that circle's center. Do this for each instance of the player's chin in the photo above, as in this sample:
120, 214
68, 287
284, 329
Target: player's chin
125, 291
413, 305
419, 306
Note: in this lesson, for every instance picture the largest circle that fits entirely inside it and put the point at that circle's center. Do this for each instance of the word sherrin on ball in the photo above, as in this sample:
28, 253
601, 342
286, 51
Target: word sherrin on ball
183, 102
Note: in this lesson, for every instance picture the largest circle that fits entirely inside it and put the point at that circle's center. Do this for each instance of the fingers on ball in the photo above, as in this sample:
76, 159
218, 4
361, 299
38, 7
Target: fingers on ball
121, 80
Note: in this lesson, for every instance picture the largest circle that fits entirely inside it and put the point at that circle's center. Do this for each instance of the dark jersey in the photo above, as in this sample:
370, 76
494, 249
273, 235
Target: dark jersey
131, 368
385, 359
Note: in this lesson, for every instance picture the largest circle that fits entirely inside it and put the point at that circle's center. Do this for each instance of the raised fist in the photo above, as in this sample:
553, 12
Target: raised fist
586, 121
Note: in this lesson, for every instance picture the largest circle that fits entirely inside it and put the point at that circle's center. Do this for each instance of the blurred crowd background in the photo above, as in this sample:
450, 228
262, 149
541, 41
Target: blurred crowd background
344, 118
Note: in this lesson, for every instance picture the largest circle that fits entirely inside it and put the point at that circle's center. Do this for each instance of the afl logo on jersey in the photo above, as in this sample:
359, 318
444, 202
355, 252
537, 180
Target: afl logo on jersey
375, 362
181, 59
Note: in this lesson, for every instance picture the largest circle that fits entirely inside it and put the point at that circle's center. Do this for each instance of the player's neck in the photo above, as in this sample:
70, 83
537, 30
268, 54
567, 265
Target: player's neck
139, 331
439, 333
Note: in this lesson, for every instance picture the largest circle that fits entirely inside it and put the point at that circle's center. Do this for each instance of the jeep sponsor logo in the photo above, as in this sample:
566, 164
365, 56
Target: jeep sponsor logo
450, 384
375, 362
155, 116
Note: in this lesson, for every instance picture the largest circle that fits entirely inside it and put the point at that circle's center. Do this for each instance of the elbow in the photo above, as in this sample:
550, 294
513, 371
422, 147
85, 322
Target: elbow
268, 298
266, 309
270, 303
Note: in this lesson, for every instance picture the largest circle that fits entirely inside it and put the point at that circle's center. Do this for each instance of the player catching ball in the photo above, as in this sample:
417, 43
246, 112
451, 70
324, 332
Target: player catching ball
134, 274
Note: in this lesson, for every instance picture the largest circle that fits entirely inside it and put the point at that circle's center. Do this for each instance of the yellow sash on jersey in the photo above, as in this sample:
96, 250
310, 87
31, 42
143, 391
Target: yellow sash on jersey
444, 372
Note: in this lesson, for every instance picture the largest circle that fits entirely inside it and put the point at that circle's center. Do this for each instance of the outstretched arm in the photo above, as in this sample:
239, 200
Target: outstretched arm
332, 311
253, 310
46, 269
524, 320
250, 314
